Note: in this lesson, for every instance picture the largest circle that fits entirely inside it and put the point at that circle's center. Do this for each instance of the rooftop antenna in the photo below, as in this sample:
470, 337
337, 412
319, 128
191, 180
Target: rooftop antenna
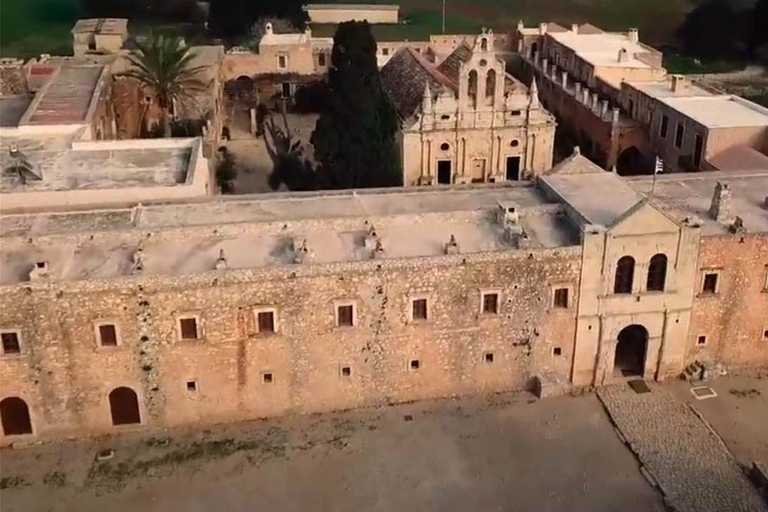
443, 16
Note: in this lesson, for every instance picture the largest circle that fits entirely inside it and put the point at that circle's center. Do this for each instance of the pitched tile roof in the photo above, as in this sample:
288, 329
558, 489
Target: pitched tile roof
452, 63
404, 76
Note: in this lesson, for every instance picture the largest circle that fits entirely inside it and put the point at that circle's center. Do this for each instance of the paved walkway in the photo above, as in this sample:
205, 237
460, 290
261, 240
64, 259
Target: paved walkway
694, 469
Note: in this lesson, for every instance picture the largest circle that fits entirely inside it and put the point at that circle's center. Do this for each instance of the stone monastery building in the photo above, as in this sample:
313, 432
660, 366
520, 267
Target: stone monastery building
132, 298
175, 314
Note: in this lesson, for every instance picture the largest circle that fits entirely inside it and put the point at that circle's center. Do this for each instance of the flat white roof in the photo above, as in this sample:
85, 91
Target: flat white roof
663, 89
721, 111
602, 49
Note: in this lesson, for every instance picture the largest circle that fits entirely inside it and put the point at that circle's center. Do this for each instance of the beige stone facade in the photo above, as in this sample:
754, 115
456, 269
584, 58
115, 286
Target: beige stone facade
339, 13
228, 310
99, 36
472, 122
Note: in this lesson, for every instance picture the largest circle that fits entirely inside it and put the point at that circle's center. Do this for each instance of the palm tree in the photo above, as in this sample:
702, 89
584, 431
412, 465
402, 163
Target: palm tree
163, 67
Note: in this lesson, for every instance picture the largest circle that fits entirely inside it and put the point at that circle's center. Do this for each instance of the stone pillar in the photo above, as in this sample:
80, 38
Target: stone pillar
585, 96
615, 116
577, 90
252, 113
544, 64
564, 79
603, 108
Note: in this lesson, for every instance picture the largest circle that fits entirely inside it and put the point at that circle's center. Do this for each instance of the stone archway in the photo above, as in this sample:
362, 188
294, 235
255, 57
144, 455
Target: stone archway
124, 406
631, 349
14, 414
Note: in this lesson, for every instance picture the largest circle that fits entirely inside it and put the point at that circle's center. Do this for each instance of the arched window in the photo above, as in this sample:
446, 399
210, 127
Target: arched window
625, 273
534, 49
124, 406
490, 85
14, 414
472, 88
657, 273
484, 44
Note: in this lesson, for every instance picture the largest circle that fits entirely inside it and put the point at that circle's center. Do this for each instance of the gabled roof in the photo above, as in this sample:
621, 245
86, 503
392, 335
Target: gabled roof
452, 63
404, 76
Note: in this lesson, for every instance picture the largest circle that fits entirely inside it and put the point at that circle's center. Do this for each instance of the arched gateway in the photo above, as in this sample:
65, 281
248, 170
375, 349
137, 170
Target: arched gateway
631, 350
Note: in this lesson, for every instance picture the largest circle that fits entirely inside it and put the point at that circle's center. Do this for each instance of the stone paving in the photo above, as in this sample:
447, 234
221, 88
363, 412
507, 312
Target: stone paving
693, 468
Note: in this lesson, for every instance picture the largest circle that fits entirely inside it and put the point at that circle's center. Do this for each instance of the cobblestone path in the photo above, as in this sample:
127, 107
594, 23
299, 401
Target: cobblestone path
694, 469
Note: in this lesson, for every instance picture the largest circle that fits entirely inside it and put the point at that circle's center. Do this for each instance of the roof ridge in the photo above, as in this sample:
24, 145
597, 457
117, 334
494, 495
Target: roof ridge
432, 70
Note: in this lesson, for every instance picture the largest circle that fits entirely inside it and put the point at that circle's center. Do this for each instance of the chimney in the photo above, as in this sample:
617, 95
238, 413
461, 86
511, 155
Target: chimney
575, 28
633, 35
520, 25
39, 271
542, 28
221, 261
268, 29
720, 210
452, 247
678, 83
623, 55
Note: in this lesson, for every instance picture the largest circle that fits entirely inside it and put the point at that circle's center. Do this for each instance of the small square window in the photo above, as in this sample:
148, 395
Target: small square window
701, 340
561, 298
266, 321
557, 351
346, 371
491, 303
419, 309
345, 315
11, 343
710, 283
107, 335
385, 51
188, 327
191, 386
488, 357
415, 364
267, 378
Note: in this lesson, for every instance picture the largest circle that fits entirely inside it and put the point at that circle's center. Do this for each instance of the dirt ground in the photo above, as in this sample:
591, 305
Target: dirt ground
739, 412
751, 83
252, 160
501, 452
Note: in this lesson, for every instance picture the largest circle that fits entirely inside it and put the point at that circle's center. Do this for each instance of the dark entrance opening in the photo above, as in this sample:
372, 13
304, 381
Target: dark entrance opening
513, 168
285, 89
15, 416
124, 406
631, 162
444, 172
630, 351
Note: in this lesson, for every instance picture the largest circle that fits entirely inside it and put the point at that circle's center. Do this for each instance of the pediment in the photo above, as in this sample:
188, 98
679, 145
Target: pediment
644, 218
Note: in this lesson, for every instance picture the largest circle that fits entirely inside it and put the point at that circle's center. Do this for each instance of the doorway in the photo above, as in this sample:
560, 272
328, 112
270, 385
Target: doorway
285, 89
513, 168
478, 170
631, 351
444, 172
124, 406
15, 416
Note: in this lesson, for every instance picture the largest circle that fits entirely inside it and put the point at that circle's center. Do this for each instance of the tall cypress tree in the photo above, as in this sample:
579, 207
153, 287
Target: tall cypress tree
354, 138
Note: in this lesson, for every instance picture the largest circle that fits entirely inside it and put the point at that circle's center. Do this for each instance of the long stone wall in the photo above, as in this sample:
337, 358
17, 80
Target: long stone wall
65, 376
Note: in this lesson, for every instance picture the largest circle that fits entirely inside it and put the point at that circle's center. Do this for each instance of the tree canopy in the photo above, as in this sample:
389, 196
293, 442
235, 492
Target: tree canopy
354, 138
234, 18
716, 28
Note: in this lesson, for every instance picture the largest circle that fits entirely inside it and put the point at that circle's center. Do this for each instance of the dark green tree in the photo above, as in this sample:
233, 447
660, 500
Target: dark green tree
759, 25
232, 19
354, 138
715, 28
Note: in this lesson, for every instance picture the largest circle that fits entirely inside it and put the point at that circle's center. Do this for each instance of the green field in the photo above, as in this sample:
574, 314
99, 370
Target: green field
31, 27
656, 19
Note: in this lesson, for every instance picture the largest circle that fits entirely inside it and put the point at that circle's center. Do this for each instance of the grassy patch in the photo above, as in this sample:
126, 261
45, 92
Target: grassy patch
13, 482
682, 64
55, 479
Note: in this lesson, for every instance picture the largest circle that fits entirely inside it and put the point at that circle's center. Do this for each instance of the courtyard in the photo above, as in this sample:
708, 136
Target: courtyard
499, 452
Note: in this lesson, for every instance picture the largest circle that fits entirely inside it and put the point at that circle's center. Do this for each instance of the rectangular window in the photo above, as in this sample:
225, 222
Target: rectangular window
765, 334
679, 133
266, 321
701, 339
710, 283
664, 127
321, 59
11, 343
107, 335
282, 61
385, 51
491, 303
188, 328
419, 309
345, 315
488, 357
698, 150
414, 365
267, 378
561, 298
346, 371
